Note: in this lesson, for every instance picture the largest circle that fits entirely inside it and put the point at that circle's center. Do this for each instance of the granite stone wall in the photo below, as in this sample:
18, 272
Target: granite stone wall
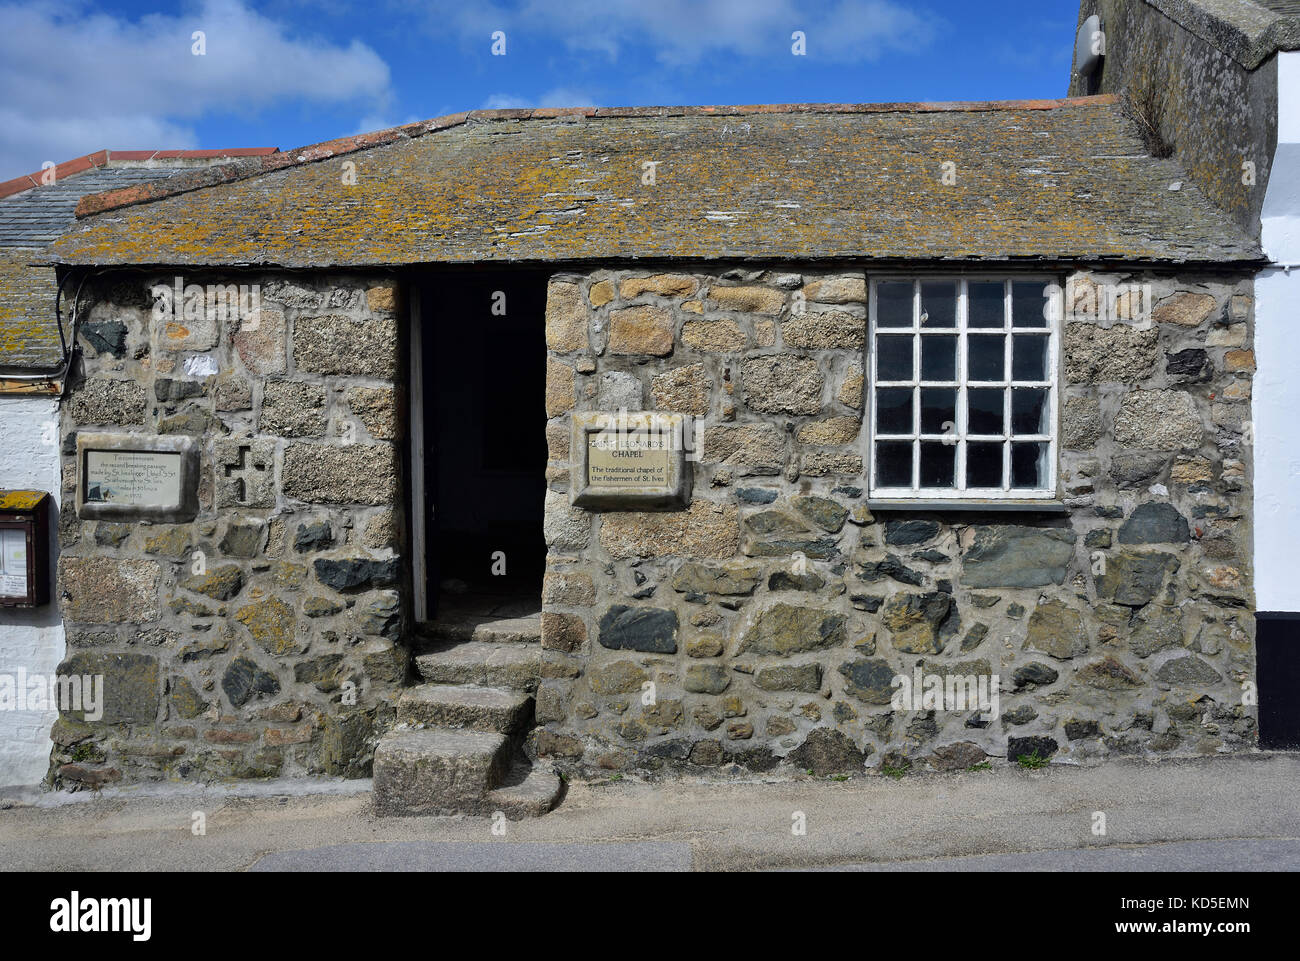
263, 638
1214, 114
763, 624
766, 622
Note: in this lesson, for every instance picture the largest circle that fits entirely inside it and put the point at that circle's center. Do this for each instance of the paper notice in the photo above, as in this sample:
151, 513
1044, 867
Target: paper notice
13, 563
13, 552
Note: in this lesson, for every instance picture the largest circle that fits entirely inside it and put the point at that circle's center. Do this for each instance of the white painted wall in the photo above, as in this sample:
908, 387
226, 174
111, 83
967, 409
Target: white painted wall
1280, 218
1276, 392
30, 639
1276, 414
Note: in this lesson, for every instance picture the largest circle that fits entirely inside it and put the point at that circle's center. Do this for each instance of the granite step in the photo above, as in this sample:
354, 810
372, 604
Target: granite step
438, 771
515, 667
529, 791
500, 630
465, 707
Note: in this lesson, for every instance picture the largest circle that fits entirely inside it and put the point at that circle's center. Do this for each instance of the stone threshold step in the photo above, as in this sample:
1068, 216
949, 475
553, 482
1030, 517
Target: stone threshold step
438, 771
529, 792
505, 630
475, 708
516, 667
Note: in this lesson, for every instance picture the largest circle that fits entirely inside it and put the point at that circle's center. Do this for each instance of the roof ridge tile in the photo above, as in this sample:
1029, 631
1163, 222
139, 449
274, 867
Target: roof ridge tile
103, 158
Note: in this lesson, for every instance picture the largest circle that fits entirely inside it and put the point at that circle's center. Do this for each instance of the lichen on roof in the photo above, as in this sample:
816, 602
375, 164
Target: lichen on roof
33, 213
29, 337
1051, 180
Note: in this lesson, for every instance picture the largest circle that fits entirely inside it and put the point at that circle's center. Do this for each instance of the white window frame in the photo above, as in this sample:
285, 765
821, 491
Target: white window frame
960, 493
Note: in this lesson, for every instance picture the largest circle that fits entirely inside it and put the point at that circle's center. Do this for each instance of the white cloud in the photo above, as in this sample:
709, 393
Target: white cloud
688, 32
28, 140
559, 97
381, 121
504, 101
82, 81
566, 97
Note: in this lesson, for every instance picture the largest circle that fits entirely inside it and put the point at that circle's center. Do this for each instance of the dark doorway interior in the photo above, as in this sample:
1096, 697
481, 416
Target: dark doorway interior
485, 432
1277, 667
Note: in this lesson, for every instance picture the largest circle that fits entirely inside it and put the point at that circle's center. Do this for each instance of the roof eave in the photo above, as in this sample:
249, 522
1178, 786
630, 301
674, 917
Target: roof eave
1250, 257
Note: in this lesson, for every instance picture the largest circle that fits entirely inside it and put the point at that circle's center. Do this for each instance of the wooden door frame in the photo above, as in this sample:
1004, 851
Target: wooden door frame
419, 507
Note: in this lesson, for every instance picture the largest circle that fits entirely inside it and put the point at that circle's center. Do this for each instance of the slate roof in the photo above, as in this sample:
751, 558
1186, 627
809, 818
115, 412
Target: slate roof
29, 337
40, 215
33, 213
1035, 180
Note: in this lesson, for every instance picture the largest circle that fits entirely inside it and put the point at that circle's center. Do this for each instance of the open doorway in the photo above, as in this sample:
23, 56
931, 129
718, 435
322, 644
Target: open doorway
482, 376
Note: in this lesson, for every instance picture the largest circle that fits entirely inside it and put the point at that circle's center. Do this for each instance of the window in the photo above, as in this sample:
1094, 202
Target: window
963, 395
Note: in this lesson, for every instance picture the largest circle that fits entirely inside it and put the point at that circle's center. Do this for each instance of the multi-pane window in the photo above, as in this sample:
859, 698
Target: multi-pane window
963, 388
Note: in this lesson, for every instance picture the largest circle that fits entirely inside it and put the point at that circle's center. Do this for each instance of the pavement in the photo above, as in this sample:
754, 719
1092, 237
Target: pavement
1239, 813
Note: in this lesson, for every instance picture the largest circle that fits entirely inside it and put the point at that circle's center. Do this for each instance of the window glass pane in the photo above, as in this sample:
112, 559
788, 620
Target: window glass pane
939, 357
984, 410
894, 410
1029, 357
983, 464
985, 357
893, 357
893, 464
1028, 465
894, 305
1029, 303
938, 303
985, 305
939, 410
1005, 338
938, 463
1029, 410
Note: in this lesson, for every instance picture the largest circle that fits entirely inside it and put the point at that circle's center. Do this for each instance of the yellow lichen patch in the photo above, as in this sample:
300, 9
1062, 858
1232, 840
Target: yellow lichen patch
29, 335
20, 500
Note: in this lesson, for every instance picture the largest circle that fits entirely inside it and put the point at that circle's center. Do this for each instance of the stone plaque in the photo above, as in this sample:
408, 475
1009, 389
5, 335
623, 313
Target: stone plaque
630, 461
644, 460
142, 478
125, 476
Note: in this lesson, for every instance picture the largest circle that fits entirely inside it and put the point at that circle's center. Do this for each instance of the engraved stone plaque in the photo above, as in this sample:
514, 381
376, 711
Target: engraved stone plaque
643, 461
630, 461
141, 478
126, 476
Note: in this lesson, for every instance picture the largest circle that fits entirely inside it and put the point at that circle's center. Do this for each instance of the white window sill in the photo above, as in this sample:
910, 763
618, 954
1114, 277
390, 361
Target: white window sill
1043, 506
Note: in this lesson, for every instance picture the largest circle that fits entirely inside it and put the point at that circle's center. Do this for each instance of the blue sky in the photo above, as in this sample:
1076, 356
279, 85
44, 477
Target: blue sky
285, 73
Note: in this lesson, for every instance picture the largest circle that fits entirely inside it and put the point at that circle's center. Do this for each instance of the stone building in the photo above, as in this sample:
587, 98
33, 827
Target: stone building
35, 210
818, 438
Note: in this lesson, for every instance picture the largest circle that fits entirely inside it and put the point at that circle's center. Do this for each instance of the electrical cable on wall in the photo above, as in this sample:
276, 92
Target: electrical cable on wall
67, 346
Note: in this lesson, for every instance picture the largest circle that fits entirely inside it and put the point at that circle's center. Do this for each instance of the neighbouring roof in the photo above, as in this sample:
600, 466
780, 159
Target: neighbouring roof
1066, 180
33, 213
29, 337
1249, 31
